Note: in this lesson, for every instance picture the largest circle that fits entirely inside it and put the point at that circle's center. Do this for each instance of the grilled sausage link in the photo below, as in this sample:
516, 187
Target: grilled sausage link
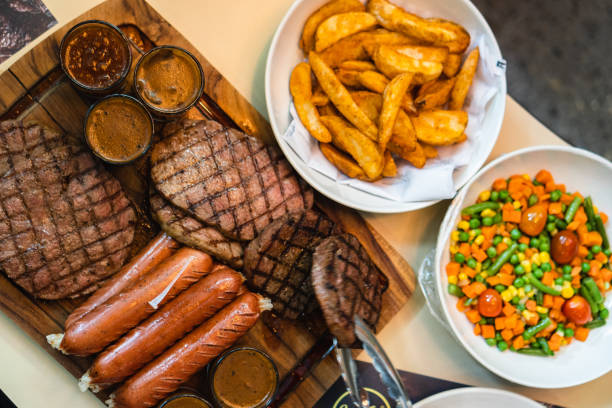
143, 343
107, 322
166, 373
160, 248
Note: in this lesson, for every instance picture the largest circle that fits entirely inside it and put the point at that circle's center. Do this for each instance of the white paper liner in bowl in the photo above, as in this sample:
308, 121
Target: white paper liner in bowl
435, 180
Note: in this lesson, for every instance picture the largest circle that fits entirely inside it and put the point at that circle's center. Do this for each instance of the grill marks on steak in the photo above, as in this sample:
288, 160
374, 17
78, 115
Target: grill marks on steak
346, 282
65, 223
226, 179
278, 262
192, 232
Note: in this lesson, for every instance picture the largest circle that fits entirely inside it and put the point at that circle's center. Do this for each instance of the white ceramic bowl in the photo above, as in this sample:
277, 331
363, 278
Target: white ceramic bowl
285, 54
579, 362
475, 397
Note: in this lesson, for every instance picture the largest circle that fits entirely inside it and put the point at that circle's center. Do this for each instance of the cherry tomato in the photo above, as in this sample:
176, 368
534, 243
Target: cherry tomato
564, 246
577, 310
533, 220
490, 303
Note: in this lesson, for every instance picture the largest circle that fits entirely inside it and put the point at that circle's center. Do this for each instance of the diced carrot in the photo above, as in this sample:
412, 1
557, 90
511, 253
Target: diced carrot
473, 316
581, 333
465, 217
606, 275
595, 267
461, 304
506, 279
581, 216
582, 251
468, 290
604, 217
478, 287
488, 232
515, 185
493, 280
550, 186
507, 334
479, 255
519, 328
557, 315
533, 319
500, 184
511, 321
517, 195
511, 216
452, 268
555, 342
562, 188
518, 342
558, 302
507, 207
543, 176
500, 323
469, 271
508, 310
573, 226
571, 325
501, 247
548, 301
464, 249
601, 257
594, 238
524, 240
555, 208
477, 329
548, 278
531, 305
488, 331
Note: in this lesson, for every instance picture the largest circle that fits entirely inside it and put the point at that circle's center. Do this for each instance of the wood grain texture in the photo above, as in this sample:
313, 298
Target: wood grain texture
34, 89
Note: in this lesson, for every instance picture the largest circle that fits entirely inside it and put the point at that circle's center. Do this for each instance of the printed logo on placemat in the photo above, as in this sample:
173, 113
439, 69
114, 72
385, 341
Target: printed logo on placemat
377, 400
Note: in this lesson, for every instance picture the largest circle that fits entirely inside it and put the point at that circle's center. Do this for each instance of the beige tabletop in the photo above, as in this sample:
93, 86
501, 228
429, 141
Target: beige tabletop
235, 35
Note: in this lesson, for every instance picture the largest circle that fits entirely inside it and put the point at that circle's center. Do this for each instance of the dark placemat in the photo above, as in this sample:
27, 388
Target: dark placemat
418, 387
5, 402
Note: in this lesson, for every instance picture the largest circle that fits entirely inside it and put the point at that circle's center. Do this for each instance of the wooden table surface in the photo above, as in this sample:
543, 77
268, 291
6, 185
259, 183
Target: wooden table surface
235, 38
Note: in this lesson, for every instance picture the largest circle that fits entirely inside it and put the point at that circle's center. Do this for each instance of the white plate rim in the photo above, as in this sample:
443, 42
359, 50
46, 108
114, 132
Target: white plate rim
375, 207
477, 390
443, 236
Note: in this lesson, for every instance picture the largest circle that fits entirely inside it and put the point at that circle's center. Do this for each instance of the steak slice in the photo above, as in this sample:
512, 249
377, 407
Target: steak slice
277, 263
226, 179
346, 282
192, 232
65, 223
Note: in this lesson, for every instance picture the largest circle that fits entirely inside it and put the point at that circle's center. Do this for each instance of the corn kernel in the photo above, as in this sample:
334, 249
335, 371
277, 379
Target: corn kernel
484, 275
567, 284
507, 241
455, 235
452, 279
506, 295
527, 265
535, 258
478, 267
479, 239
531, 294
487, 213
472, 234
567, 292
485, 195
521, 293
516, 204
463, 276
521, 256
454, 249
544, 257
526, 177
541, 309
464, 225
513, 290
527, 314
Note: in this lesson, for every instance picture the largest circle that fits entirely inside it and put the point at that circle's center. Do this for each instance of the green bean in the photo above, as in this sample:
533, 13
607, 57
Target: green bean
533, 330
593, 290
540, 286
455, 290
595, 323
532, 352
479, 207
539, 298
588, 208
560, 224
469, 301
587, 295
502, 259
545, 346
605, 244
572, 209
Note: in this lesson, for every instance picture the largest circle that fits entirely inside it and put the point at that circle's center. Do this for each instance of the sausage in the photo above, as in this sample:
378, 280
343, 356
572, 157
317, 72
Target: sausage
107, 322
161, 247
167, 372
143, 343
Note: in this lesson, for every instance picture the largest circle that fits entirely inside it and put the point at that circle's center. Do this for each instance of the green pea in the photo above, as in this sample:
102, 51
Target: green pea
477, 232
459, 257
491, 342
607, 252
604, 313
544, 247
586, 267
491, 251
533, 200
498, 337
560, 326
538, 273
497, 239
589, 256
482, 321
555, 195
497, 219
567, 277
464, 236
515, 234
519, 269
569, 333
479, 278
559, 281
589, 227
567, 269
455, 290
551, 218
487, 221
546, 267
522, 247
471, 263
487, 262
474, 223
502, 346
514, 259
503, 195
534, 242
550, 227
596, 249
519, 282
500, 288
520, 307
528, 288
494, 195
515, 300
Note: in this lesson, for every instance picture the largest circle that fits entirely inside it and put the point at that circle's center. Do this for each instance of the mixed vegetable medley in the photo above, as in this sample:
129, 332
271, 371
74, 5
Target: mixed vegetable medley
530, 264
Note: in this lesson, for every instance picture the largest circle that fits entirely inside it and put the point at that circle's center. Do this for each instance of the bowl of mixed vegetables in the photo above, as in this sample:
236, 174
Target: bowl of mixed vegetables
524, 266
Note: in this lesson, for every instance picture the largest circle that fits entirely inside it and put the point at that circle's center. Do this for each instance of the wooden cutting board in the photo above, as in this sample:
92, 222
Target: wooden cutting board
35, 89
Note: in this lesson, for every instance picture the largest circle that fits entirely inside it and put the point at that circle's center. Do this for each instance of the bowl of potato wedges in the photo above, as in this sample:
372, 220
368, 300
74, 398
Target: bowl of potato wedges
385, 106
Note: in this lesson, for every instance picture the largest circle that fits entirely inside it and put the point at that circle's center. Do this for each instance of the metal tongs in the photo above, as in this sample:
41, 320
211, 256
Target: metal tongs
382, 364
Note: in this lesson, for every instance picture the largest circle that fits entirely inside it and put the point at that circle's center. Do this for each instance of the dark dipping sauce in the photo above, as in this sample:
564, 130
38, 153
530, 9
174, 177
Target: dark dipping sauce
185, 401
118, 129
244, 378
96, 55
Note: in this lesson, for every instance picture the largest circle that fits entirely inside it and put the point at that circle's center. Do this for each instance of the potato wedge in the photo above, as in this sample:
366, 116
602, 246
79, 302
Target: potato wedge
392, 99
430, 151
328, 110
424, 53
300, 86
356, 65
452, 65
390, 168
392, 63
464, 80
440, 127
369, 102
417, 157
349, 78
434, 94
340, 26
375, 81
347, 138
343, 162
434, 31
340, 97
307, 41
319, 98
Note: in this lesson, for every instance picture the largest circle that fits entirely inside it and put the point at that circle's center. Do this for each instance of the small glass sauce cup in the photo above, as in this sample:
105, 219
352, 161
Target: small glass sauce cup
168, 80
95, 55
185, 400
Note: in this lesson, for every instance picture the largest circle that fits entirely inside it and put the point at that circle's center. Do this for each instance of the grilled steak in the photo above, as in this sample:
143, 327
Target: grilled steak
277, 263
226, 179
192, 232
65, 223
346, 282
